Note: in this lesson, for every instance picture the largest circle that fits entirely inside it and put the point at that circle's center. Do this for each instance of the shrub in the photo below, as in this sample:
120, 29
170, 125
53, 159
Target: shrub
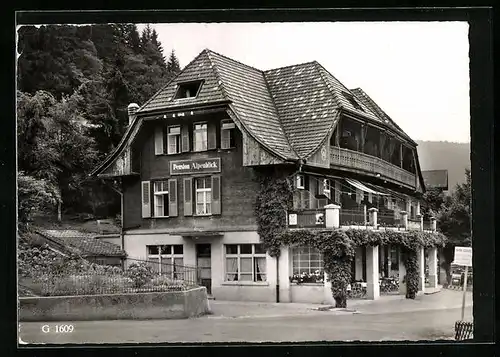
140, 273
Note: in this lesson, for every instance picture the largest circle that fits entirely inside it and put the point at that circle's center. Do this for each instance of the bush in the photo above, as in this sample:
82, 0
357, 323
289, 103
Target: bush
140, 273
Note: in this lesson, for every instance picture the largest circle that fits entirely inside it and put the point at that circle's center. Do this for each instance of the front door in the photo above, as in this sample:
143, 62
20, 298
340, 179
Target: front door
204, 265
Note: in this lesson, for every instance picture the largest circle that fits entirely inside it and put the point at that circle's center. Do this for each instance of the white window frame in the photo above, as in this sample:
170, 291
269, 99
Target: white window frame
161, 194
173, 138
306, 257
207, 204
204, 129
227, 125
239, 255
165, 258
301, 182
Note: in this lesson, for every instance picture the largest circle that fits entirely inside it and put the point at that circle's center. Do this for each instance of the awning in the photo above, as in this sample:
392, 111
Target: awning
389, 192
362, 187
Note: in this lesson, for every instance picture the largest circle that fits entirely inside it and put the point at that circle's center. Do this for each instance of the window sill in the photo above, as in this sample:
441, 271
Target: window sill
245, 283
161, 217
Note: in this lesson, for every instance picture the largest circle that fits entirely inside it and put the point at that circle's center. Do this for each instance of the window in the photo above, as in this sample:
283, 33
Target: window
174, 139
188, 90
351, 100
161, 198
306, 260
166, 259
301, 181
200, 137
326, 188
245, 262
203, 188
228, 130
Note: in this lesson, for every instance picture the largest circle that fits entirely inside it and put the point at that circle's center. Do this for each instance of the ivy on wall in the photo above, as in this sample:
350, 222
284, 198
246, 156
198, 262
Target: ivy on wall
337, 245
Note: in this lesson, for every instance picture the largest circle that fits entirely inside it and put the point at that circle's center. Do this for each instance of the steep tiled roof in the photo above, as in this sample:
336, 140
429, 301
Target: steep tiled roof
306, 107
85, 243
289, 110
246, 87
200, 68
375, 109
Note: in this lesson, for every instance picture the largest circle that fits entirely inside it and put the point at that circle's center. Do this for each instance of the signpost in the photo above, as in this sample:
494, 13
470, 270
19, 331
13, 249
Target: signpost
463, 257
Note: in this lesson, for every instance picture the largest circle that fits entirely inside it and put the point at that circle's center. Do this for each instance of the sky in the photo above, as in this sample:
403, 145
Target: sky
417, 72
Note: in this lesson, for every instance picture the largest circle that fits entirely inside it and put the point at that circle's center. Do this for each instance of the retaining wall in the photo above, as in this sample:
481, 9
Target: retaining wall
158, 305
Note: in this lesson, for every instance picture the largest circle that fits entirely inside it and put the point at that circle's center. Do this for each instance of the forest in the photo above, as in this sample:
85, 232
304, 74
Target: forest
74, 84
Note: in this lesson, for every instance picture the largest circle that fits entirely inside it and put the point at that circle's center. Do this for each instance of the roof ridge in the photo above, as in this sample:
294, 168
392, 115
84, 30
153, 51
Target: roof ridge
232, 59
219, 79
377, 107
290, 65
278, 116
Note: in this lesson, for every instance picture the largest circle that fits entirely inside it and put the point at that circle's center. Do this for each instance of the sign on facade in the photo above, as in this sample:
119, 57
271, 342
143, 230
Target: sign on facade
182, 167
292, 219
463, 256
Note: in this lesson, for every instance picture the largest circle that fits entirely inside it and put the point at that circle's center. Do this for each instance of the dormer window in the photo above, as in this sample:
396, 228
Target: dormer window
353, 101
188, 90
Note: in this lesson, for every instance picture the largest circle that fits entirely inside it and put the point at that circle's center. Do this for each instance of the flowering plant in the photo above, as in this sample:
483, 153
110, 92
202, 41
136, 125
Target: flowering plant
305, 277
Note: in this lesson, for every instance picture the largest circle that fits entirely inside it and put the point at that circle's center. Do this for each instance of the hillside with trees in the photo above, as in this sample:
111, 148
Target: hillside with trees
443, 155
74, 85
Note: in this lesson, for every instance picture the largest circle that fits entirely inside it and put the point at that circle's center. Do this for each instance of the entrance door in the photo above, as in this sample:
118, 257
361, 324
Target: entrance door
204, 265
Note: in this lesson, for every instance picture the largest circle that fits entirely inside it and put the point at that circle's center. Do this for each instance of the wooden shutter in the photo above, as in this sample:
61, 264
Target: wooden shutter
188, 196
146, 199
172, 197
216, 200
159, 146
211, 136
185, 138
337, 191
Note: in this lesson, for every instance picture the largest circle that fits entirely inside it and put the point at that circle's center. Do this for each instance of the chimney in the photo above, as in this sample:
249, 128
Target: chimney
132, 109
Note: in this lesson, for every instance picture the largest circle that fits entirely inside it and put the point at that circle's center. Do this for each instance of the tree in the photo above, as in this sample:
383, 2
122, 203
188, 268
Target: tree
454, 220
173, 67
34, 196
433, 200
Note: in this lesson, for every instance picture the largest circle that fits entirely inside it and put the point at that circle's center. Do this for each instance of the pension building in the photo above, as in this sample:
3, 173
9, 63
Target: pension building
189, 159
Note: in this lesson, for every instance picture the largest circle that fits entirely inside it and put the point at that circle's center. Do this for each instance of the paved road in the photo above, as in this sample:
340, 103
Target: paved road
315, 326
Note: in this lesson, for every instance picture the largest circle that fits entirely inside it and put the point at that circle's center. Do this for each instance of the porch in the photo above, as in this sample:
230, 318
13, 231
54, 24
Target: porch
376, 271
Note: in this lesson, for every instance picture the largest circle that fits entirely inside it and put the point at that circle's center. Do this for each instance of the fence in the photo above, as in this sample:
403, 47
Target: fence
464, 330
308, 218
139, 276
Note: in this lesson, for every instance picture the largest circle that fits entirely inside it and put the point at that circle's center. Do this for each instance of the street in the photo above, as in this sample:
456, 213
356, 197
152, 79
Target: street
396, 319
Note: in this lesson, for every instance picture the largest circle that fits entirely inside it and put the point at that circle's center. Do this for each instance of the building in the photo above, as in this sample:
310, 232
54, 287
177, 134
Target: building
188, 160
90, 246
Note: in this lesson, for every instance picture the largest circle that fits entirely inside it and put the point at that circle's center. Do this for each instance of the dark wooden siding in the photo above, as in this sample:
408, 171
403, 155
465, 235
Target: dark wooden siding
238, 188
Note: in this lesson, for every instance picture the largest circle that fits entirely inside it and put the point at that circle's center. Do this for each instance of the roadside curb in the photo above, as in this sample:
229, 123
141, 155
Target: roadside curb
457, 288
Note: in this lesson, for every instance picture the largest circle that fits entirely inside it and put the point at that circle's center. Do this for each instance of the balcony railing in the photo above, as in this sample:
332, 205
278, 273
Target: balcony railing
413, 224
307, 218
372, 164
315, 218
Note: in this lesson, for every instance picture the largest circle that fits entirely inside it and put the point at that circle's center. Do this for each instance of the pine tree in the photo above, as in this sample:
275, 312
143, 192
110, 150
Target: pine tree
173, 67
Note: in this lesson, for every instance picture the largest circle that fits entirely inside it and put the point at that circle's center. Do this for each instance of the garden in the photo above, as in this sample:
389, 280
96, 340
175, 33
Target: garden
43, 272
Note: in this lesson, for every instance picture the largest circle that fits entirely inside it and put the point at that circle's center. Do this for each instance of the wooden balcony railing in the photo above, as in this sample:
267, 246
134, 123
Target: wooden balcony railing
358, 160
349, 217
427, 225
307, 218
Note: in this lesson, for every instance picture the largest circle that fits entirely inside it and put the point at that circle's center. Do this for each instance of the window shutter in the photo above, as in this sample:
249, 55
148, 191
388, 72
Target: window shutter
188, 196
159, 140
337, 191
321, 187
172, 197
216, 200
185, 138
146, 199
211, 136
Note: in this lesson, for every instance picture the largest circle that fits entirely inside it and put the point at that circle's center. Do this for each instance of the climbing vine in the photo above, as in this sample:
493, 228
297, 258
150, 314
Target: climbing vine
337, 245
272, 203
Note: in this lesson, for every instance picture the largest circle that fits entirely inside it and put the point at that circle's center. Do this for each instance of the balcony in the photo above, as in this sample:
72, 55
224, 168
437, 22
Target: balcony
346, 158
356, 218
